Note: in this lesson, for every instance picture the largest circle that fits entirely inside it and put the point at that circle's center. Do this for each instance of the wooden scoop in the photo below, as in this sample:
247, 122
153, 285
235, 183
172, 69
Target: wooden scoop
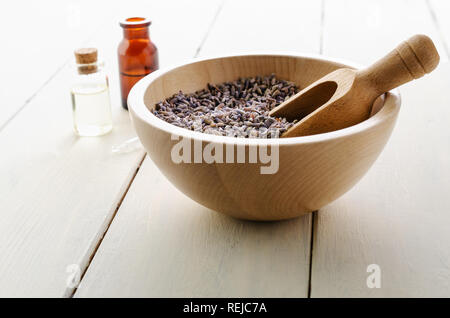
345, 97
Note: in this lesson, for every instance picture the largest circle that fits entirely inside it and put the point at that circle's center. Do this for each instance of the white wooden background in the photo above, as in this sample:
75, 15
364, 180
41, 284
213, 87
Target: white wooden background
66, 200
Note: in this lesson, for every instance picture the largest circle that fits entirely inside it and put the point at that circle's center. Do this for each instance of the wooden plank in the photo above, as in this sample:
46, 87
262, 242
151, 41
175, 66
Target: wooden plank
172, 247
60, 192
397, 216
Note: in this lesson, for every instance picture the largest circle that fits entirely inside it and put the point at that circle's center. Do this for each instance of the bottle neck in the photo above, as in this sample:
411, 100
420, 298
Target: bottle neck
86, 69
136, 33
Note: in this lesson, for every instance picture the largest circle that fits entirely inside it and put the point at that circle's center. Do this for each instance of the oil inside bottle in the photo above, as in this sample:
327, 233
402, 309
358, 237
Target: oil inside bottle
91, 109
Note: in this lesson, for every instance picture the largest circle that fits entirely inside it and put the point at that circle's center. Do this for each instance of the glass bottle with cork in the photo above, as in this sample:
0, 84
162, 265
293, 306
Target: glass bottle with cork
138, 56
90, 95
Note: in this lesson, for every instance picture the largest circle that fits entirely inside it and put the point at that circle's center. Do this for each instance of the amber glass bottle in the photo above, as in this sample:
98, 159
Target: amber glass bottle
138, 56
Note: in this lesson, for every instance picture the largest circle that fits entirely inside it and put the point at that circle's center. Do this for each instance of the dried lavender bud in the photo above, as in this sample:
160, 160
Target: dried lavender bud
239, 109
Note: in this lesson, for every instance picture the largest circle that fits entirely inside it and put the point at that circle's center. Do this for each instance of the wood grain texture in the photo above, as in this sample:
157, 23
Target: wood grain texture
170, 246
397, 216
202, 253
59, 192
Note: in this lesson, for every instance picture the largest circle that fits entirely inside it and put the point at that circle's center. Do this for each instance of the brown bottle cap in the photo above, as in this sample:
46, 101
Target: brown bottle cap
86, 56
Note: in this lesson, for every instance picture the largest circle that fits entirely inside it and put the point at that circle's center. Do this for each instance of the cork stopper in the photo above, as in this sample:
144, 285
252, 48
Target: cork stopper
87, 60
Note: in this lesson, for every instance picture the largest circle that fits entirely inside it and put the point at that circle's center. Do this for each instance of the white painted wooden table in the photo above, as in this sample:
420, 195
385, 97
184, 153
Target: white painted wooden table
68, 202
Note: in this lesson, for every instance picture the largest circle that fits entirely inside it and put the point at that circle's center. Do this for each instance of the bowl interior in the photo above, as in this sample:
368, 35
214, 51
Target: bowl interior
195, 76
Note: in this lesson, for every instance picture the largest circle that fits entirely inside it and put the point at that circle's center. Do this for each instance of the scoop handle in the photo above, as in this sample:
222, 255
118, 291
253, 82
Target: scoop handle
410, 60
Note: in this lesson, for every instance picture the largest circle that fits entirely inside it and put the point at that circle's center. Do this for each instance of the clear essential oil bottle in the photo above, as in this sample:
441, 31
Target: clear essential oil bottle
90, 95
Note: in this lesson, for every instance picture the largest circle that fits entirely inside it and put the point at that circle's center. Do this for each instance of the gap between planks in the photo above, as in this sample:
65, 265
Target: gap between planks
315, 214
322, 25
33, 95
436, 23
211, 25
70, 292
311, 248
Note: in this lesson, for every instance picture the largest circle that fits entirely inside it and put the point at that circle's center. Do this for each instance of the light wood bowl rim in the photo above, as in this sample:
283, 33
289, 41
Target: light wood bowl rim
138, 108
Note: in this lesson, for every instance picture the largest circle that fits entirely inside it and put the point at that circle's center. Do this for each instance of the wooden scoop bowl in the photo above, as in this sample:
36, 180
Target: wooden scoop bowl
345, 97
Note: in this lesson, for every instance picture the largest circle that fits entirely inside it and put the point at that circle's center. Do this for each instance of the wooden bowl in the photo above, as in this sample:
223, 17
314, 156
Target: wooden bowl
313, 170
